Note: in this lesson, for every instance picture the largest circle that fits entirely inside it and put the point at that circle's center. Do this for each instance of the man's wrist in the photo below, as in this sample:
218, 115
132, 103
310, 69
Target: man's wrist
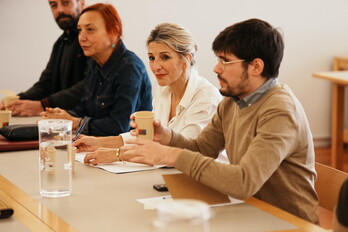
172, 156
168, 136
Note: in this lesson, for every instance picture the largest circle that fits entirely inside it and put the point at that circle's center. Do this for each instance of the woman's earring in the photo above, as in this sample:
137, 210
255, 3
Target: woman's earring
113, 45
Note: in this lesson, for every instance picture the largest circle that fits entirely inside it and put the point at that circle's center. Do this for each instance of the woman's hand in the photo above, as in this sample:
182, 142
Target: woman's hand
90, 143
101, 156
86, 143
55, 113
149, 152
59, 114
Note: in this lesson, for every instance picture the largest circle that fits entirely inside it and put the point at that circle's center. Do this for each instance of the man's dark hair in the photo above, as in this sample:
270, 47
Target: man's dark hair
253, 39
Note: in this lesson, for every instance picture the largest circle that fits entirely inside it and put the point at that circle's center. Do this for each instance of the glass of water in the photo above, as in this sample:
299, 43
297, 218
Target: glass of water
55, 161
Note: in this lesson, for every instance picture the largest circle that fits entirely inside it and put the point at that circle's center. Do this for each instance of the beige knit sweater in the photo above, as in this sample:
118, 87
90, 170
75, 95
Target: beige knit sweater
270, 148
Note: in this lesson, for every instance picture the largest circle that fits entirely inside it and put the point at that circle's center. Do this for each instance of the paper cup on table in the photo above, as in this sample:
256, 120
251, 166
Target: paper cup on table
5, 116
9, 99
144, 121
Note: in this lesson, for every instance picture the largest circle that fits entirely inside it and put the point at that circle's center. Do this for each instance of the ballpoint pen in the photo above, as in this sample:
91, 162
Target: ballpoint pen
79, 131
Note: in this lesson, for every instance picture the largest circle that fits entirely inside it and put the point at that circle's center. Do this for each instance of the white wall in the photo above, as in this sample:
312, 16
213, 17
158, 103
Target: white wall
314, 32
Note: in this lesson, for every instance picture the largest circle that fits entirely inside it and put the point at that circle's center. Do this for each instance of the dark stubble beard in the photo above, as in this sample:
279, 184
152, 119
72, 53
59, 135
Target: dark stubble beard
241, 87
67, 24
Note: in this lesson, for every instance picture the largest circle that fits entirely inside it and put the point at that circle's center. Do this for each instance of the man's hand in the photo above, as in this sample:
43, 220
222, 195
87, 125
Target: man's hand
149, 152
162, 134
25, 108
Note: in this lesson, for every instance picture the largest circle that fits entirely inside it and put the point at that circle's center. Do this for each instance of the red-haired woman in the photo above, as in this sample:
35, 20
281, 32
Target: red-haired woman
117, 83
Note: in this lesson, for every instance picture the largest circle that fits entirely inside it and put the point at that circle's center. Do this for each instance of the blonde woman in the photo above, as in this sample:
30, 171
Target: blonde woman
184, 101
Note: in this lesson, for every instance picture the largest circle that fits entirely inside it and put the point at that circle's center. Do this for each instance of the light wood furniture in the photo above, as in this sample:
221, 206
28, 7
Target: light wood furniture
44, 220
328, 185
341, 64
339, 80
102, 201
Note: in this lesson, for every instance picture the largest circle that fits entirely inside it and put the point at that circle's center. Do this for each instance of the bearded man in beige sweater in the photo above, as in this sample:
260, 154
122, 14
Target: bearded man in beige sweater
260, 123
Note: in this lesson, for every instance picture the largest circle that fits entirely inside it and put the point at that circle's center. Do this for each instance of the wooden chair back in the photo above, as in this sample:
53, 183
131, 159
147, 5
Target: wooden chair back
328, 185
340, 63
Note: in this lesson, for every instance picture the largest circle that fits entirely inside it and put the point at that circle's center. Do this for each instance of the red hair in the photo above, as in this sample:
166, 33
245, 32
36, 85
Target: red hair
112, 20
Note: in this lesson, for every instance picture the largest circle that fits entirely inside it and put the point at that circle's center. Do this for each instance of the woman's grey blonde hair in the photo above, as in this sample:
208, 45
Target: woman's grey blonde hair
174, 36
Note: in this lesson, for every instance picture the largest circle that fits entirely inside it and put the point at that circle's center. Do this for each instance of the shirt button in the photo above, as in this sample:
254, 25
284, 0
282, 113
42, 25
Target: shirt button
102, 103
100, 83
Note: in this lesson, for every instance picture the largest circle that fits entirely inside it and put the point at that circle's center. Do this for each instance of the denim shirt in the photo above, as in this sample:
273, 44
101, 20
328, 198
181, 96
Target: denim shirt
113, 92
257, 94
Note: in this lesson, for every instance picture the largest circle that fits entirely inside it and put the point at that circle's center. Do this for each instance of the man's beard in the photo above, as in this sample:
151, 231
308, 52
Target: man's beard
68, 23
240, 88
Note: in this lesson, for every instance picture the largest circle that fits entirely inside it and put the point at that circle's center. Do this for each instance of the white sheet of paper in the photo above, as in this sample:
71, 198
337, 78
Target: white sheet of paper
232, 202
152, 202
119, 167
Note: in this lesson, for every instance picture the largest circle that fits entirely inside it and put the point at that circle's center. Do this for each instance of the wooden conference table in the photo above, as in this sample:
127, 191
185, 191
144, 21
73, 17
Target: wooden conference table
102, 201
339, 80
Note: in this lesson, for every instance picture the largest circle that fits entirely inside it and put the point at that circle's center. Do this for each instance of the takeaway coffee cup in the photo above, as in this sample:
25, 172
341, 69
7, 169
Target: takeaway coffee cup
5, 116
144, 121
9, 99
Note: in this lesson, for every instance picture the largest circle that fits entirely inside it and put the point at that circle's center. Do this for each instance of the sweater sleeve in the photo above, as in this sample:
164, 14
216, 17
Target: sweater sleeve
203, 143
272, 143
270, 149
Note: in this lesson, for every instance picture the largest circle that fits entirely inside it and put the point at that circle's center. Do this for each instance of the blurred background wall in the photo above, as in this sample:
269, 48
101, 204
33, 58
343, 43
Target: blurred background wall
314, 32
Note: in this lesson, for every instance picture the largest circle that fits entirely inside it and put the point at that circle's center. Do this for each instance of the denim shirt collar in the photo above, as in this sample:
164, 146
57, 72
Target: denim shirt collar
257, 94
105, 70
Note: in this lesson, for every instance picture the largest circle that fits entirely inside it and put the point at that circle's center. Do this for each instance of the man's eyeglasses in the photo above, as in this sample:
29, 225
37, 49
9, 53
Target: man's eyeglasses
223, 62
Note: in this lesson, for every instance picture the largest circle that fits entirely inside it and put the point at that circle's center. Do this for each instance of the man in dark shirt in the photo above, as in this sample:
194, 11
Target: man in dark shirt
62, 82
